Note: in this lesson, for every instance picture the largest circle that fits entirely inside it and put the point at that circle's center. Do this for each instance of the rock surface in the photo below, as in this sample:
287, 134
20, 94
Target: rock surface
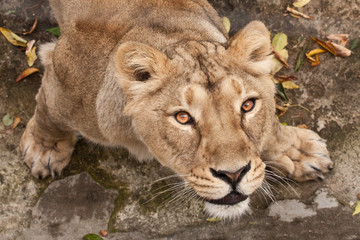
107, 189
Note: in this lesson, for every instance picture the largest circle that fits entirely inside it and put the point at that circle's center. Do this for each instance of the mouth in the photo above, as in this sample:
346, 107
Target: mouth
231, 199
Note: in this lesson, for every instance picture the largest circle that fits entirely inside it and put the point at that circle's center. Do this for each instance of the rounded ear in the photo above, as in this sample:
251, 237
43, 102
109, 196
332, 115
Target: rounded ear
139, 62
252, 46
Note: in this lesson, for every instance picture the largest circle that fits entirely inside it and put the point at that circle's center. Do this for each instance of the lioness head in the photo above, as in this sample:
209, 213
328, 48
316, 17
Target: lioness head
203, 110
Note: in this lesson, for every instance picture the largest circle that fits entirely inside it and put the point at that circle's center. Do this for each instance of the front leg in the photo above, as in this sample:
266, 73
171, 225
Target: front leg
297, 153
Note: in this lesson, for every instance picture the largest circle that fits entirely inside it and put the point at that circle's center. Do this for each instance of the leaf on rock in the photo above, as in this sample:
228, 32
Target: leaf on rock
32, 28
354, 44
340, 50
277, 64
300, 59
315, 51
213, 219
328, 46
290, 85
339, 37
300, 3
297, 14
26, 73
280, 92
279, 42
31, 53
226, 23
284, 78
92, 237
8, 120
13, 38
54, 30
357, 209
16, 122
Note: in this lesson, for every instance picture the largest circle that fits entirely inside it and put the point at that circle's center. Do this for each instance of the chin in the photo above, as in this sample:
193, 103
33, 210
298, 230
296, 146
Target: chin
227, 211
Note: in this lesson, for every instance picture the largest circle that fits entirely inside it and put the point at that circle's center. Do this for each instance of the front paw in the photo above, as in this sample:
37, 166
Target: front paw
303, 155
44, 157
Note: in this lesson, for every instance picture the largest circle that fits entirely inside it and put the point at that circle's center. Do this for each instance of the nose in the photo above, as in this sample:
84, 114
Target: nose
233, 178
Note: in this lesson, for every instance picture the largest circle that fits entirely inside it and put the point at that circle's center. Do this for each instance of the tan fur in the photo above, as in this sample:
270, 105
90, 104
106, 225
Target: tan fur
120, 72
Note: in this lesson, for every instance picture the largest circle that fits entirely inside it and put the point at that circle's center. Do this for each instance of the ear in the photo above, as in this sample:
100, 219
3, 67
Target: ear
138, 63
252, 46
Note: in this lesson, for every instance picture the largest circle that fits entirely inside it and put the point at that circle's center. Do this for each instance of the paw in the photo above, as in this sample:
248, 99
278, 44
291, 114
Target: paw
43, 157
305, 156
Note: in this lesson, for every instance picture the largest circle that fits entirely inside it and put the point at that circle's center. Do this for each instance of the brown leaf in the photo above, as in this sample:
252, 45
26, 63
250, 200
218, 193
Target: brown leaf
13, 38
281, 59
26, 73
16, 123
31, 53
342, 38
302, 126
32, 28
328, 46
340, 50
294, 13
284, 78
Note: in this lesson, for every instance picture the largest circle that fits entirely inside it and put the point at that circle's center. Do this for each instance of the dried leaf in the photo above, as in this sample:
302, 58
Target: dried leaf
284, 78
314, 62
279, 42
16, 123
281, 59
300, 3
357, 209
277, 65
13, 38
213, 219
302, 126
26, 73
8, 120
54, 30
315, 51
328, 46
354, 44
290, 85
32, 28
297, 13
341, 51
31, 53
300, 59
226, 23
341, 38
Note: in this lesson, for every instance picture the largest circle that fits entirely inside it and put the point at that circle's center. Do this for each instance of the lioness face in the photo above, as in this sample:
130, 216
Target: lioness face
202, 110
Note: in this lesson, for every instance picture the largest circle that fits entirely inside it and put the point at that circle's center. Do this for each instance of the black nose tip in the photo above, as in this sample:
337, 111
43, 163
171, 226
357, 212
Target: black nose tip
233, 178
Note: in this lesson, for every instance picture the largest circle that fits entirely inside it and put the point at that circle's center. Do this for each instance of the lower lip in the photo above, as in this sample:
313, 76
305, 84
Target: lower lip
230, 199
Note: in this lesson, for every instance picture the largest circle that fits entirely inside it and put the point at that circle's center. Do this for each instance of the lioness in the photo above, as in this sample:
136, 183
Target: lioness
162, 79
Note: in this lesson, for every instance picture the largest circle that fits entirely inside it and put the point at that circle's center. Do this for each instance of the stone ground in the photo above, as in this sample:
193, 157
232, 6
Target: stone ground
107, 189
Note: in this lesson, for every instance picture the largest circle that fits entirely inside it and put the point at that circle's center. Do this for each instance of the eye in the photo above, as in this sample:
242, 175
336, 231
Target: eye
248, 105
183, 118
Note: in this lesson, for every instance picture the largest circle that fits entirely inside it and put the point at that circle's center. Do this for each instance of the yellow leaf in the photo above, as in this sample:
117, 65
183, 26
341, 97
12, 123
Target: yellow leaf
300, 3
226, 23
31, 53
26, 73
315, 51
213, 219
13, 38
290, 85
357, 209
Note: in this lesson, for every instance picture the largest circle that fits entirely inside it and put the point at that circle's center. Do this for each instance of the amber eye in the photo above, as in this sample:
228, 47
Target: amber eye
183, 118
248, 105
